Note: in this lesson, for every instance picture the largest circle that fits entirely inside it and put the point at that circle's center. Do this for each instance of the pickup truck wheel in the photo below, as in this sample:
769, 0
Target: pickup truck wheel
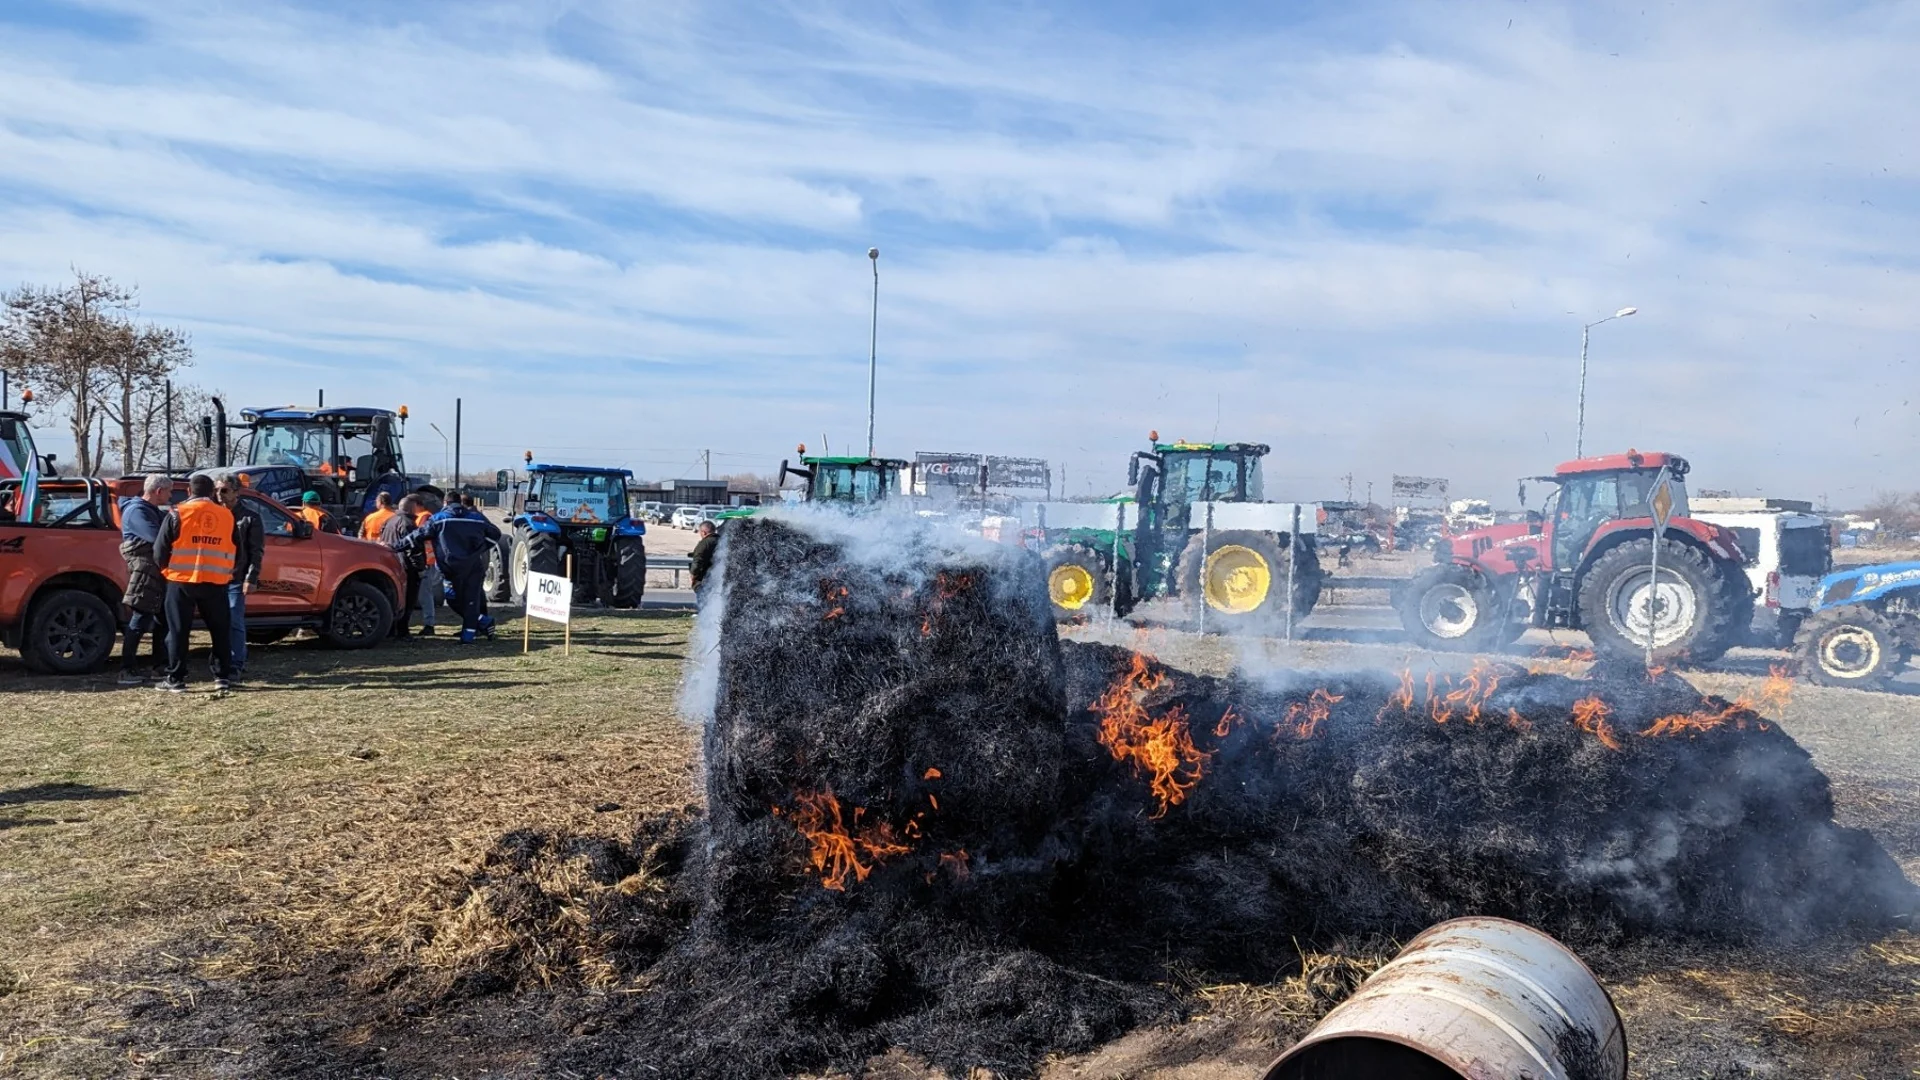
360, 618
69, 633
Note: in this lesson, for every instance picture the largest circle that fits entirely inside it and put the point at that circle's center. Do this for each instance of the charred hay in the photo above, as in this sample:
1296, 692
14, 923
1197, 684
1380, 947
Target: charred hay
932, 826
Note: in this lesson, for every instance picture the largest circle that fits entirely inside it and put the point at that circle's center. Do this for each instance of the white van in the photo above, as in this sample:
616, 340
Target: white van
1789, 548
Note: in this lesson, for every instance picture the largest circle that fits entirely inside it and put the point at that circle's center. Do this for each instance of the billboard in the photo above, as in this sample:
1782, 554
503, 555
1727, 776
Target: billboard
1419, 487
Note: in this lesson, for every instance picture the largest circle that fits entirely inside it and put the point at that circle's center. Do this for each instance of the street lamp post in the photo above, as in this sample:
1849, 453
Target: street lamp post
446, 448
1580, 423
873, 343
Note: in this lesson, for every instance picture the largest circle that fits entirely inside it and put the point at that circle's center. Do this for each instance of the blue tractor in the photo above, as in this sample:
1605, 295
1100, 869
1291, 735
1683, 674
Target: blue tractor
579, 511
1864, 626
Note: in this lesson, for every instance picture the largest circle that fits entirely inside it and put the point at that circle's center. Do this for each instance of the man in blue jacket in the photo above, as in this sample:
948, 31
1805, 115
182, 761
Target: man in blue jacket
146, 595
462, 539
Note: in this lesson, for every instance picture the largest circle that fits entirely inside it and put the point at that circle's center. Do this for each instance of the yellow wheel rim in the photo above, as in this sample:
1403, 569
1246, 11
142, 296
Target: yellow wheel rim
1070, 586
1235, 579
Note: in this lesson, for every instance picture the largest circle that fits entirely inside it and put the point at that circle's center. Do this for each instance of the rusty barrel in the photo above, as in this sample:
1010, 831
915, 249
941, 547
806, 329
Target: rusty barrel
1469, 999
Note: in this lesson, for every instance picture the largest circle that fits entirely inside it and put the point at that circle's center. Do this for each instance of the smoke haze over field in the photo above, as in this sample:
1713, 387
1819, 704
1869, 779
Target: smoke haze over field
573, 213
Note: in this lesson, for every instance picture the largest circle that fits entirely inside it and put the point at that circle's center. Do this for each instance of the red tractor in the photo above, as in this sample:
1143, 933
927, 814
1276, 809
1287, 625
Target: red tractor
1585, 562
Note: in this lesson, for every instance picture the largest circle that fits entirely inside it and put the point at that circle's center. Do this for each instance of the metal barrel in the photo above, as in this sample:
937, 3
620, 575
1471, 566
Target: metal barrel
1469, 999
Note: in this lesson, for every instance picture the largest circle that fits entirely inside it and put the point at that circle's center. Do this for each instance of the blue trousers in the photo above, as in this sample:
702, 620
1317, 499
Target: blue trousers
237, 611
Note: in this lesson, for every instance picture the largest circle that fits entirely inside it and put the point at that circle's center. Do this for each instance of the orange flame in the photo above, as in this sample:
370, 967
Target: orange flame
1162, 748
1401, 699
1590, 715
839, 849
931, 774
1467, 694
1700, 721
1306, 717
1777, 692
1518, 722
834, 594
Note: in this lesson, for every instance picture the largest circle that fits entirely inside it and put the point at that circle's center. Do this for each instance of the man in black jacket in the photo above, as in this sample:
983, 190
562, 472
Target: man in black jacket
700, 563
249, 537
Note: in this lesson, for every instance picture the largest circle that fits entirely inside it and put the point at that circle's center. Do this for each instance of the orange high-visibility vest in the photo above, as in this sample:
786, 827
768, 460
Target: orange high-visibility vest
370, 525
315, 517
420, 519
203, 553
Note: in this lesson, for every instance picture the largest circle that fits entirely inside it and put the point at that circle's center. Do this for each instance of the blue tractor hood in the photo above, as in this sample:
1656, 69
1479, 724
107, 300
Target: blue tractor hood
1865, 584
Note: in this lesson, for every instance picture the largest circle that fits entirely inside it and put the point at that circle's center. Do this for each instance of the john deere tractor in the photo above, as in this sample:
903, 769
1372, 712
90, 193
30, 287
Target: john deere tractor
1196, 527
580, 511
854, 483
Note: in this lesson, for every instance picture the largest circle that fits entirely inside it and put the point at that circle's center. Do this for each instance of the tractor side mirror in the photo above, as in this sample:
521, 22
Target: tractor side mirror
1523, 493
502, 479
782, 482
47, 466
206, 432
1133, 470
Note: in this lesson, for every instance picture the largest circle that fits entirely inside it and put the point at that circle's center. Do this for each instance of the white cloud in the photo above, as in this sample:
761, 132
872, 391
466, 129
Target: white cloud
645, 228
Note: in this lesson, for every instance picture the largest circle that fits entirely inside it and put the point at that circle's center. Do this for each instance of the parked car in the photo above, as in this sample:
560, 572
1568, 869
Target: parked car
685, 517
1788, 549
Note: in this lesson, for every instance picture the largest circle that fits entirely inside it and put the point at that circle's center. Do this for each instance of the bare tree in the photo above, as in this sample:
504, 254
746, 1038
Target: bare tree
747, 481
143, 447
1899, 515
79, 346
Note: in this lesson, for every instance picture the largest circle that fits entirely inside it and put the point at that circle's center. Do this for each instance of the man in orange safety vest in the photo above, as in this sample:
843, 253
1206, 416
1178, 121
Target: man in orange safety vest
196, 553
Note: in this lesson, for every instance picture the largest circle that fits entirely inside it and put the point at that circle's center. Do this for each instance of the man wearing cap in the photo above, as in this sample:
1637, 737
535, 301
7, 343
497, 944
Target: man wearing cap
311, 513
197, 552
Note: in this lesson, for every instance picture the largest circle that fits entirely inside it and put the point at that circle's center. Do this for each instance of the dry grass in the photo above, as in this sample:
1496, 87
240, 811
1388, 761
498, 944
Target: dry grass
330, 805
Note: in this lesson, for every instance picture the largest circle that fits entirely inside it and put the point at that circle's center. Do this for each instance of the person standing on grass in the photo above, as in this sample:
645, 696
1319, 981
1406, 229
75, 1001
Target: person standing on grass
427, 596
700, 563
196, 553
382, 510
395, 529
140, 519
250, 543
463, 539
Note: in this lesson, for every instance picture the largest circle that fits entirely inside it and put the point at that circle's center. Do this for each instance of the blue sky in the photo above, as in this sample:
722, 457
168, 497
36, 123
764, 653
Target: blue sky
1367, 234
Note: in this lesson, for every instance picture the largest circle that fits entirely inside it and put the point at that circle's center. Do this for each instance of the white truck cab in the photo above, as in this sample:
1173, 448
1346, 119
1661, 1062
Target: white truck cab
1789, 548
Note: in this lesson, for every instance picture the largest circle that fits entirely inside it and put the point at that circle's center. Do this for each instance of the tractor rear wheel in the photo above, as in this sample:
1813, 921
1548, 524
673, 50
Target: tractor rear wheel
1852, 645
1239, 579
1691, 612
629, 571
544, 552
1076, 582
495, 585
1450, 608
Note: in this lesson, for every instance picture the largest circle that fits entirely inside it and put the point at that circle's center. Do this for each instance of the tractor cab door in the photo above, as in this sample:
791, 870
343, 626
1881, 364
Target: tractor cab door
1585, 504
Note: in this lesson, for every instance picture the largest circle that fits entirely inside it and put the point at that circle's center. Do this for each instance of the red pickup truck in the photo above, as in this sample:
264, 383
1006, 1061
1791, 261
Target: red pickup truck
61, 577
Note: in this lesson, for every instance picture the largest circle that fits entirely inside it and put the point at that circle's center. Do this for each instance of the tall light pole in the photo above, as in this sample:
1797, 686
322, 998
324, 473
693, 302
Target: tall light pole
445, 446
1580, 424
873, 343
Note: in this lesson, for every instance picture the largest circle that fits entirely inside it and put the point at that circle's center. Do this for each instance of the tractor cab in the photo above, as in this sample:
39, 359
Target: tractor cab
578, 495
347, 455
19, 468
851, 482
1178, 475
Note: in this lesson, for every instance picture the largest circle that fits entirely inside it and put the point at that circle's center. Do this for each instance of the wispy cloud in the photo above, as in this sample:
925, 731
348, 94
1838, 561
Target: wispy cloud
1365, 235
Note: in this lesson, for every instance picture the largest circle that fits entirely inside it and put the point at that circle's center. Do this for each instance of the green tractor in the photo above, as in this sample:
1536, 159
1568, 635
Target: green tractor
1196, 528
855, 483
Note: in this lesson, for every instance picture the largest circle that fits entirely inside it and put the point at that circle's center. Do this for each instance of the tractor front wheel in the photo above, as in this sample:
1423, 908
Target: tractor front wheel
517, 570
1690, 612
629, 571
1450, 608
1852, 646
1239, 580
1076, 582
496, 586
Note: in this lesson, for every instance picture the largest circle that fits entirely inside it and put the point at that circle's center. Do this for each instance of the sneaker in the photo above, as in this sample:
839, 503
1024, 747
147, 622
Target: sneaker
427, 630
466, 637
171, 686
221, 686
132, 678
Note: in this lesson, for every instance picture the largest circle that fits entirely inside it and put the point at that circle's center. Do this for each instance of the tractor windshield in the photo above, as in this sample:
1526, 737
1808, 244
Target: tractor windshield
16, 448
1587, 501
1205, 477
859, 484
598, 498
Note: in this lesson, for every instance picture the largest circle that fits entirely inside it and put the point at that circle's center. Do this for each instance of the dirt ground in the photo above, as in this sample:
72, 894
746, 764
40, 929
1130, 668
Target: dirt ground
259, 885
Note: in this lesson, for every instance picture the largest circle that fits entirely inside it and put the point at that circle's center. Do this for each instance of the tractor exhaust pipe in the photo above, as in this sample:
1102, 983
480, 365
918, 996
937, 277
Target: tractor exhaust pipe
1469, 998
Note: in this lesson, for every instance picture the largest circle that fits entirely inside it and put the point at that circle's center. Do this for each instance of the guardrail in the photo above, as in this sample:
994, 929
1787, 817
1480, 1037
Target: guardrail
670, 564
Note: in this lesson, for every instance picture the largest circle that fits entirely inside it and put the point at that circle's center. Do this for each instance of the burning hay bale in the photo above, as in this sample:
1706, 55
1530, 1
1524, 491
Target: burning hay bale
930, 826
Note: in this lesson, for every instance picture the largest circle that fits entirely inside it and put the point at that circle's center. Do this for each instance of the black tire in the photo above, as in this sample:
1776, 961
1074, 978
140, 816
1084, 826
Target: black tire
267, 635
70, 632
1852, 645
1453, 609
1248, 571
1077, 581
545, 553
360, 617
1307, 577
1708, 616
629, 571
495, 585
